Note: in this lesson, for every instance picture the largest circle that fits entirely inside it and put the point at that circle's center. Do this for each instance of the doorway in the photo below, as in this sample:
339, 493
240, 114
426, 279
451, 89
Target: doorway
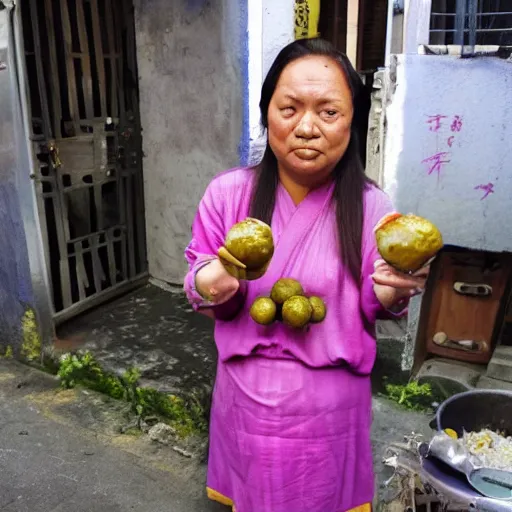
86, 140
357, 28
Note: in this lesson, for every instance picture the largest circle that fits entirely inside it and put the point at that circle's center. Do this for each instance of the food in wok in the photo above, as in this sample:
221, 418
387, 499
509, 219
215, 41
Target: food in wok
492, 449
486, 448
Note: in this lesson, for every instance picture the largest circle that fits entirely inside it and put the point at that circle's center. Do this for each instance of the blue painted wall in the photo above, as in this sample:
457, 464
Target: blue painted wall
15, 285
244, 147
15, 280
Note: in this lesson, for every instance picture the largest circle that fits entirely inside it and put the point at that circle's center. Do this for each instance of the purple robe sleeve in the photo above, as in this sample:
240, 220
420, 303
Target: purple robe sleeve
377, 204
208, 233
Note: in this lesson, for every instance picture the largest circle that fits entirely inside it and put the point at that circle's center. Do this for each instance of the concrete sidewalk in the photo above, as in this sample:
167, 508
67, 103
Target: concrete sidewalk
157, 332
59, 451
62, 450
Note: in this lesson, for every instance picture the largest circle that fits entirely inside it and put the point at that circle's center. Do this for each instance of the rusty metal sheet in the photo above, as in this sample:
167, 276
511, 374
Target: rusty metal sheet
77, 154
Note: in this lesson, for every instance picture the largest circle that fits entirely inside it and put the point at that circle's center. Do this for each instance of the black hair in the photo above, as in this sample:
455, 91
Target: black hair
349, 174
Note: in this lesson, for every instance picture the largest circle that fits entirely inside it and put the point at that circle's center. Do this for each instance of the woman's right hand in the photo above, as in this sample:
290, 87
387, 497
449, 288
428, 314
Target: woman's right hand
214, 283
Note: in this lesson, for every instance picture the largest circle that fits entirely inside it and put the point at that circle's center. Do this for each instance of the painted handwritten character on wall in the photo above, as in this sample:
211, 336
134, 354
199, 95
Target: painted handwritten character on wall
456, 125
434, 122
435, 162
487, 188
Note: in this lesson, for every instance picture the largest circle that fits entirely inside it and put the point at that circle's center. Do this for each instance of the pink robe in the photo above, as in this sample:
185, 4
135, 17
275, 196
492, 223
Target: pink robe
291, 413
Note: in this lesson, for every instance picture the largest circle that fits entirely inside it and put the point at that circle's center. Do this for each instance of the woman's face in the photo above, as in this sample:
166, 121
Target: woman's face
309, 118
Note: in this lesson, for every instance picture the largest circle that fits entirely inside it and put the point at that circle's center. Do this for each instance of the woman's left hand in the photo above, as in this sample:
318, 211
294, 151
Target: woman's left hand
391, 286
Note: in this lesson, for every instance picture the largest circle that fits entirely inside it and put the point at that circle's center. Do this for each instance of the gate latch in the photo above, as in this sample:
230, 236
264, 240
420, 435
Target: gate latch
54, 155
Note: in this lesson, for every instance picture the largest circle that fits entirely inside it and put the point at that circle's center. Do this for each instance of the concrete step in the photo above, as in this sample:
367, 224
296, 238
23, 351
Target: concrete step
488, 383
151, 329
500, 365
449, 377
391, 329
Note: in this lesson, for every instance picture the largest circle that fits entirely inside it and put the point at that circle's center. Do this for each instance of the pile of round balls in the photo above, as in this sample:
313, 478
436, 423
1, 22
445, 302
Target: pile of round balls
289, 304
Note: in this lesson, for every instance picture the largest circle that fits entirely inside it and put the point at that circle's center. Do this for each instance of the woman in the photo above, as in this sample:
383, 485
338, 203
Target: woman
291, 413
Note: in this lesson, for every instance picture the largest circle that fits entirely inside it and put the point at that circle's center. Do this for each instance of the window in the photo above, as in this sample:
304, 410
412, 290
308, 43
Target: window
471, 22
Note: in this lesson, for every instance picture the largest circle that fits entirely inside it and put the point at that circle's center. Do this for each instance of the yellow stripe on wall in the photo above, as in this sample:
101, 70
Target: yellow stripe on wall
307, 14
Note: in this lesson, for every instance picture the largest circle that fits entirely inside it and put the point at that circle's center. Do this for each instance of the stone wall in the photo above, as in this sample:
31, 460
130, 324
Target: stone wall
191, 60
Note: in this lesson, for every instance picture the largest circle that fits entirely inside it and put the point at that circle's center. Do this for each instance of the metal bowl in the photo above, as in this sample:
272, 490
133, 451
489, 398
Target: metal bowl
476, 410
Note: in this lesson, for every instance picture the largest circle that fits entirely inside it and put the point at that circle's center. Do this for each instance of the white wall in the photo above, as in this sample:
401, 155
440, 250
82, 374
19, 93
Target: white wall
480, 91
278, 28
271, 27
416, 24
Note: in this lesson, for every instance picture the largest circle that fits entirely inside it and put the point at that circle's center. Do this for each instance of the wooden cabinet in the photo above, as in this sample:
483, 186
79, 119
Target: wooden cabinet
463, 316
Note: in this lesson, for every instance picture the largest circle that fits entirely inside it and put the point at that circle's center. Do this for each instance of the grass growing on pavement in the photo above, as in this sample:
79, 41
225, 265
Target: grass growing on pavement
31, 344
185, 414
411, 396
7, 352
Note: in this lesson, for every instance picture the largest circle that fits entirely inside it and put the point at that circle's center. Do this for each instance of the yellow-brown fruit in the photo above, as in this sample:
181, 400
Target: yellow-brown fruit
251, 243
284, 289
263, 311
319, 309
297, 311
407, 242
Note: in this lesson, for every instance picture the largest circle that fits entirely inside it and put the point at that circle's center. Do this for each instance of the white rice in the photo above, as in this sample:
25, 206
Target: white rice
491, 449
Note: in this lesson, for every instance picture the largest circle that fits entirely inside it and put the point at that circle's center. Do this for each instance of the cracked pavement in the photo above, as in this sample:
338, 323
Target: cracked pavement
61, 450
50, 462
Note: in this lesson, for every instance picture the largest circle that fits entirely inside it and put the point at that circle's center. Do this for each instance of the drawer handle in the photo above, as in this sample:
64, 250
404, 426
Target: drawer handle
473, 290
441, 339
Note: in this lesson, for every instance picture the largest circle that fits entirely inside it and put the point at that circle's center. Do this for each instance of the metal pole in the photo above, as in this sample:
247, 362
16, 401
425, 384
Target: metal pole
472, 21
460, 23
389, 32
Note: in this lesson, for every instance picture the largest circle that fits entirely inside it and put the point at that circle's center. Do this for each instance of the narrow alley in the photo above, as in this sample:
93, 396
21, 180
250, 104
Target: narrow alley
341, 121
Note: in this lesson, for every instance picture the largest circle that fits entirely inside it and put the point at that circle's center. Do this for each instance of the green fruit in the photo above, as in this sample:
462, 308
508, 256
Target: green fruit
263, 311
251, 243
319, 309
407, 242
284, 289
297, 311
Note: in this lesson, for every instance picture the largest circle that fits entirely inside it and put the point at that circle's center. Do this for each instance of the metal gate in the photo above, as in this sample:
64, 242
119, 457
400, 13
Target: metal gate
83, 97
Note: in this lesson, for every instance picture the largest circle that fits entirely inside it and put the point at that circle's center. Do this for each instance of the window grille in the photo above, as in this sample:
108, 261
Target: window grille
468, 23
